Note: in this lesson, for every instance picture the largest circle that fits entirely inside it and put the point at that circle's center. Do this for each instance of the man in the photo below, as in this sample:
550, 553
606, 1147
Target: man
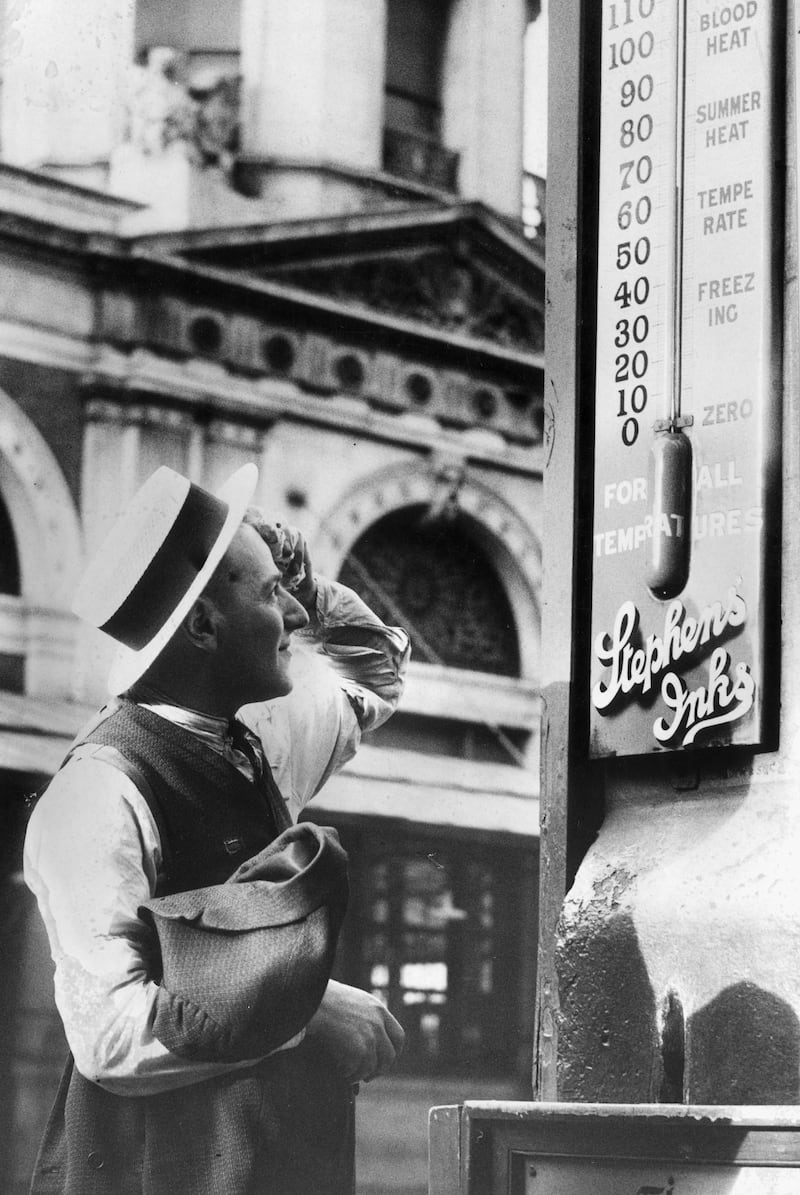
163, 793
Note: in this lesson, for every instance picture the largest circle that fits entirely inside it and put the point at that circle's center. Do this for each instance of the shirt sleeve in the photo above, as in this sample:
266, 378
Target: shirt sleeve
349, 671
91, 858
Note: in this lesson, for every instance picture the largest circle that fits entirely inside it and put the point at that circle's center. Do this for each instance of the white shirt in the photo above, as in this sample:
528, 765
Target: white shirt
93, 855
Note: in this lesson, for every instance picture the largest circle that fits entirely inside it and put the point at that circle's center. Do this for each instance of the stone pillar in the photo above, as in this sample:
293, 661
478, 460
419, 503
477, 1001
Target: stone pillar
313, 74
63, 66
678, 954
672, 973
482, 99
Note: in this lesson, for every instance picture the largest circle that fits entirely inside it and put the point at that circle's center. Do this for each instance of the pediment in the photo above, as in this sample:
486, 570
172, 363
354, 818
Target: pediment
439, 288
458, 269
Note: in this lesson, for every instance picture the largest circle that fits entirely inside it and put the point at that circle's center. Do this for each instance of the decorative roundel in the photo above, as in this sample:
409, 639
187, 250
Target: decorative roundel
419, 388
278, 352
205, 335
485, 403
520, 400
349, 371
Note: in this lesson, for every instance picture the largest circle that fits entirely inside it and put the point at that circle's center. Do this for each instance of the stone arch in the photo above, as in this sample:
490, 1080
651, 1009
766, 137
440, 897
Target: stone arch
509, 543
43, 515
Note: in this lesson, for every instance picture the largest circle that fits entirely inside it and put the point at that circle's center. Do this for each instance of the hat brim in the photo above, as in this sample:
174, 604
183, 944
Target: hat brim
128, 666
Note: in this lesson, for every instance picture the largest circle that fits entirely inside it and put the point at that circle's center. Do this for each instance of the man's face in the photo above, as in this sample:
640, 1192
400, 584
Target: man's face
256, 619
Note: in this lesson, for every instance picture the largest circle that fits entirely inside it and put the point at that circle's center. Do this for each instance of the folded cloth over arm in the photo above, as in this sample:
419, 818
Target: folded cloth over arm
245, 964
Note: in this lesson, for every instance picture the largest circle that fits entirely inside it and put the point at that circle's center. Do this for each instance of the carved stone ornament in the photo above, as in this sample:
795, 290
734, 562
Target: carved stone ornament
165, 107
436, 288
431, 576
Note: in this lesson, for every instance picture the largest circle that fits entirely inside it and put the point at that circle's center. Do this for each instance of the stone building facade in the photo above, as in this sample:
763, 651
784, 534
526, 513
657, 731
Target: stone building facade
292, 234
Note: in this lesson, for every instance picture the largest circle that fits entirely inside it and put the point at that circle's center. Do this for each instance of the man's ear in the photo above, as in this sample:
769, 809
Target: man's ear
201, 624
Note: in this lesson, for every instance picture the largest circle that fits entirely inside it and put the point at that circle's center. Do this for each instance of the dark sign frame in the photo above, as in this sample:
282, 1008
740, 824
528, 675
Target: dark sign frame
682, 650
492, 1147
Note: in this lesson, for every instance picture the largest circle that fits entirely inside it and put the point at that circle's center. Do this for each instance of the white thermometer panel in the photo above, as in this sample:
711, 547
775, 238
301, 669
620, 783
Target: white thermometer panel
687, 395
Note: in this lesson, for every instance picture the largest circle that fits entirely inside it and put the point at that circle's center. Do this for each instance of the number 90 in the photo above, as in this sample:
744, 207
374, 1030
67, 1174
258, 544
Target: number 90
631, 90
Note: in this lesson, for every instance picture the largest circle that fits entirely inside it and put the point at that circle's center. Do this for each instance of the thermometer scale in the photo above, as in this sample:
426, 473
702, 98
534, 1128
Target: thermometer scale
686, 378
671, 464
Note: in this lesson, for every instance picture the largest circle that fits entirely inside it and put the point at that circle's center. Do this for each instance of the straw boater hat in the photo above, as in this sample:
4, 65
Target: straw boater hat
154, 563
245, 964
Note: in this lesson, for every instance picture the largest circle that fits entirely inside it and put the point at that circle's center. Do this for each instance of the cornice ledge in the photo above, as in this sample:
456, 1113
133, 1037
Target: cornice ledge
143, 376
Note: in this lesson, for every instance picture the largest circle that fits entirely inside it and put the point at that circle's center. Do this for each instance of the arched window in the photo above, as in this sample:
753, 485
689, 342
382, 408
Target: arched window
438, 909
435, 580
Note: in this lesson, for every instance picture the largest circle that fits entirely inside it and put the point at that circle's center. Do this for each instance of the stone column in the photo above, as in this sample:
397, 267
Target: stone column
63, 66
313, 80
482, 99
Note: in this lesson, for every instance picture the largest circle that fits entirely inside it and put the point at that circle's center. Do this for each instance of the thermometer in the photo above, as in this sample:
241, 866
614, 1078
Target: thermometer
687, 369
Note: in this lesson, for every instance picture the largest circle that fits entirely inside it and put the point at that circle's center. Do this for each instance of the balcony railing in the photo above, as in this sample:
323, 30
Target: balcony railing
422, 159
534, 215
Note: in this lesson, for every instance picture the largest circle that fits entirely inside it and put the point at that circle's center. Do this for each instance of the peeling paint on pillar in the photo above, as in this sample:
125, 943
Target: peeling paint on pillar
607, 1037
673, 971
684, 922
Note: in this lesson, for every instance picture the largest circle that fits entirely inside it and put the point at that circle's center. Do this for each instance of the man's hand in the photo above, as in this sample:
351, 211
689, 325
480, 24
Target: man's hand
306, 588
290, 552
358, 1031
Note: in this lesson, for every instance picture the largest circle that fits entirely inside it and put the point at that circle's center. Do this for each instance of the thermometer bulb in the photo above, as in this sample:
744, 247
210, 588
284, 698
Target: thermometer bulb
671, 489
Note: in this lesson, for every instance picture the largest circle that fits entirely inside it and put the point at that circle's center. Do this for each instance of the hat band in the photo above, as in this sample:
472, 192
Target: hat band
170, 573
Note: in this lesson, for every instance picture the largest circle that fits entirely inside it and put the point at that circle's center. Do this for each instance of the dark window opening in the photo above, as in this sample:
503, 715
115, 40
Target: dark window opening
201, 27
205, 335
279, 353
416, 31
436, 931
447, 736
349, 372
416, 34
9, 558
205, 34
419, 388
12, 672
433, 579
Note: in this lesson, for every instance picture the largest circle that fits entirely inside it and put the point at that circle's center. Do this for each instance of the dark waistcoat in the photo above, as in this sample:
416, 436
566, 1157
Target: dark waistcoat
283, 1126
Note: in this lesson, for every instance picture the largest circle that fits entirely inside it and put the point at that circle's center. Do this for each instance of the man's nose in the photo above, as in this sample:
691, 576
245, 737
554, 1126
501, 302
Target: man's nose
295, 615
